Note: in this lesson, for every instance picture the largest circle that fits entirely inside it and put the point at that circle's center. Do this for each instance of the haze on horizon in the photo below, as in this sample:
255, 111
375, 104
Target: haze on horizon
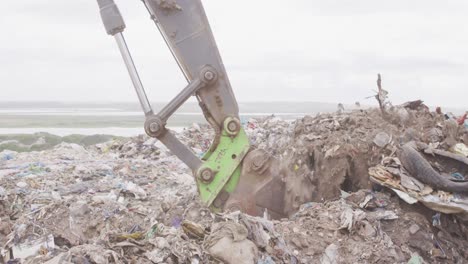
302, 50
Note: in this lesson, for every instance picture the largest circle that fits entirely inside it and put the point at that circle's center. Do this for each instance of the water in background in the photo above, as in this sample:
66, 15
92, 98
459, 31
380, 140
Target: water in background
126, 119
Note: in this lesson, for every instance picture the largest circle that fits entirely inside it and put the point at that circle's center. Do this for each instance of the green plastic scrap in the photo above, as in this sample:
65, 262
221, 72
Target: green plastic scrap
416, 259
153, 230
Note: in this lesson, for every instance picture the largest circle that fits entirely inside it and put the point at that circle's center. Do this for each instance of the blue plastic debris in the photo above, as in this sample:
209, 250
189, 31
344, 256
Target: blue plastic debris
458, 176
436, 220
176, 222
243, 121
8, 156
267, 260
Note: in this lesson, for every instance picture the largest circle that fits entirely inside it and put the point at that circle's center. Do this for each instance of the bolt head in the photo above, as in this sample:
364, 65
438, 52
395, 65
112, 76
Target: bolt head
206, 175
154, 127
209, 75
232, 126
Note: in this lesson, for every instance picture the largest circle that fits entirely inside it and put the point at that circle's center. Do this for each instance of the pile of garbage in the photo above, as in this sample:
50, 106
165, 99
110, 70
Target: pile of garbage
42, 141
132, 201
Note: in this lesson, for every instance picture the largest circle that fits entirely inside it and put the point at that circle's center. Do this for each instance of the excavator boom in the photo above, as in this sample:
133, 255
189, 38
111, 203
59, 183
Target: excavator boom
231, 175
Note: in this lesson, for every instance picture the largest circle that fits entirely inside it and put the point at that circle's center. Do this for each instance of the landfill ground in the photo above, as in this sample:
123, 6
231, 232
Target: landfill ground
132, 201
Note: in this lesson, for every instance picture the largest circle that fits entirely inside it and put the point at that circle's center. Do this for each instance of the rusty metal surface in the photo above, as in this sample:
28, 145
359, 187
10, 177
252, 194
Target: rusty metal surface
253, 180
267, 184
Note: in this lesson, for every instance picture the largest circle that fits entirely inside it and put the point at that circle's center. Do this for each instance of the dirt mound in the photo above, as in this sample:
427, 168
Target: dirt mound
336, 150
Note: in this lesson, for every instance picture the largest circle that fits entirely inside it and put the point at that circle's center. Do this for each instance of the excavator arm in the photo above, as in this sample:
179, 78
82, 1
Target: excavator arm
231, 175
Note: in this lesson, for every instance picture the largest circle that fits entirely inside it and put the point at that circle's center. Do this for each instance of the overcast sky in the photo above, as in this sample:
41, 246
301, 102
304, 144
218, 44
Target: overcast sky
296, 50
